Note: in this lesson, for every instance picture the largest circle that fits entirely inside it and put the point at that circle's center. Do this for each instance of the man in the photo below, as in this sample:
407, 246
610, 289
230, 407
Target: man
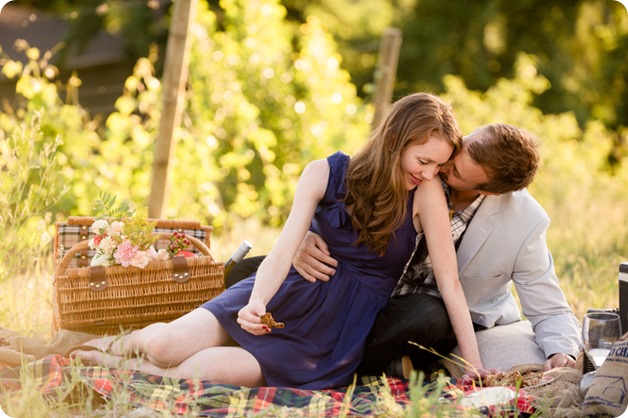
499, 230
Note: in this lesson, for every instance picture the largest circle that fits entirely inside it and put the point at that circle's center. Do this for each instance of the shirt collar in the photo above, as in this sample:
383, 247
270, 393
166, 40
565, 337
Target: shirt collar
468, 213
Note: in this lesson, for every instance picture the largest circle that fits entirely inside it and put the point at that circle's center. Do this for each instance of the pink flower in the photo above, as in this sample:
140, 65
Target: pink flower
125, 254
140, 259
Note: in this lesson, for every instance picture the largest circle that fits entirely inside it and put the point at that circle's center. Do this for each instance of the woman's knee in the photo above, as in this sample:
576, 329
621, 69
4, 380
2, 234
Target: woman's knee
161, 346
172, 343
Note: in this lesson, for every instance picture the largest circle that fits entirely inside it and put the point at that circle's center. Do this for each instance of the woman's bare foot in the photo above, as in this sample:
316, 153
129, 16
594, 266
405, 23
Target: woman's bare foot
97, 357
115, 345
103, 344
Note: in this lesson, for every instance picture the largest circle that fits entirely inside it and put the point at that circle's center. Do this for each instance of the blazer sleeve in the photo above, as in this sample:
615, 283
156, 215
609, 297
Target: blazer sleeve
505, 245
542, 300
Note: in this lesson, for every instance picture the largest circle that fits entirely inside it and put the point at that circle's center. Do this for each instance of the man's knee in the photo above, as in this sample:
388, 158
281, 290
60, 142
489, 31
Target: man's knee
418, 316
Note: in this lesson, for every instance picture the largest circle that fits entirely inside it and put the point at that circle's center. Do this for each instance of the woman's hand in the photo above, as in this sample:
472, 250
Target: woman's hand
249, 317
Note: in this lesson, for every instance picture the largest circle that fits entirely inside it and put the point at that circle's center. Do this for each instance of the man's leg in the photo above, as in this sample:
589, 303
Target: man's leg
419, 318
243, 269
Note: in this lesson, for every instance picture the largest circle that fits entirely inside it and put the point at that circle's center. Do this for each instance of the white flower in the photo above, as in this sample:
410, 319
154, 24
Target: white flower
162, 255
151, 253
115, 228
101, 259
100, 226
107, 245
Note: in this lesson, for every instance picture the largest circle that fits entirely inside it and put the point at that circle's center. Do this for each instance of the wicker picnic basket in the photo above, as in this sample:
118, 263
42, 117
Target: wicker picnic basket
106, 300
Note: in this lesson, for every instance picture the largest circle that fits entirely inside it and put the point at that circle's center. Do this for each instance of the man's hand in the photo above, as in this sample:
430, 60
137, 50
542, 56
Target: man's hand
474, 376
313, 260
559, 360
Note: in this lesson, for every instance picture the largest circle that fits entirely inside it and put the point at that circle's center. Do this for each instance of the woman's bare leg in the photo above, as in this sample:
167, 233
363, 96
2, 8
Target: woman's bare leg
229, 365
165, 345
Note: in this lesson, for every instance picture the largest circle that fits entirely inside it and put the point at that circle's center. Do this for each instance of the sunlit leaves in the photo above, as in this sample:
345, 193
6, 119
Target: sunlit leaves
264, 98
11, 68
126, 105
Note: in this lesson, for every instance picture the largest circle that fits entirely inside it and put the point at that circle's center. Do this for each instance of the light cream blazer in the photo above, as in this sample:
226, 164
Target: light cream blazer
504, 245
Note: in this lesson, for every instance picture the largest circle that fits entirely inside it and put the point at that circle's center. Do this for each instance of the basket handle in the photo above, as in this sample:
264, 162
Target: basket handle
84, 245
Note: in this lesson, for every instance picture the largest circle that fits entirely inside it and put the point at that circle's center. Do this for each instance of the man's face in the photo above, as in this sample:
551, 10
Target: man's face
461, 173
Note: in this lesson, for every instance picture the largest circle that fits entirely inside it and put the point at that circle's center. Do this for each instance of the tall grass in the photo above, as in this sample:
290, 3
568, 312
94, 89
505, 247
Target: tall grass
589, 239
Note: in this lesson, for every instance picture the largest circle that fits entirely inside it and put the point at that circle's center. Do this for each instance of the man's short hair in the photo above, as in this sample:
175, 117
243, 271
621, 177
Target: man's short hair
508, 154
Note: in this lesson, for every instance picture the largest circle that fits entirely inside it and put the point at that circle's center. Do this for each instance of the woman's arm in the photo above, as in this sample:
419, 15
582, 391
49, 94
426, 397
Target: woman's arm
273, 270
430, 207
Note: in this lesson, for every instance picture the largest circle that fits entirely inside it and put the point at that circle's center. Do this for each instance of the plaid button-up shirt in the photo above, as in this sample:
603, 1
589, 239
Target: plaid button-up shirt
418, 275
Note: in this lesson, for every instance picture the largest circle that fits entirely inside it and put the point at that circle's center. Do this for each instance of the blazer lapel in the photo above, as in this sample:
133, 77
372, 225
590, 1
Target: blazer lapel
478, 230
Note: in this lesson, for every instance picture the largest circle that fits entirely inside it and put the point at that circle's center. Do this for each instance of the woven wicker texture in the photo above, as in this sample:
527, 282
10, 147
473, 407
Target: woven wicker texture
133, 297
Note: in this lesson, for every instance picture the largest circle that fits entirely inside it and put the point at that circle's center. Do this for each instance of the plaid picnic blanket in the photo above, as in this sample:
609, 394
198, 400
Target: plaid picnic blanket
201, 398
54, 375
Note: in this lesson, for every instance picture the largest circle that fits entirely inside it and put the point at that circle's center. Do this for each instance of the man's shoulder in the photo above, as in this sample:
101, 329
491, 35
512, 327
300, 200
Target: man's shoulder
520, 201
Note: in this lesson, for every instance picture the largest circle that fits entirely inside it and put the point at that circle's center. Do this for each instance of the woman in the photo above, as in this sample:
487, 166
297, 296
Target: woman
368, 208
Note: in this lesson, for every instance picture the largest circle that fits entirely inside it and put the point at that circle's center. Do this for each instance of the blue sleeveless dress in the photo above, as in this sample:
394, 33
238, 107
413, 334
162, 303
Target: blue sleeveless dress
326, 323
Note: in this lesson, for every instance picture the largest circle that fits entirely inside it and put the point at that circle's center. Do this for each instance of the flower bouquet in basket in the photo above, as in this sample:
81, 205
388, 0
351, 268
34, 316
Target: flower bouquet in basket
129, 284
128, 240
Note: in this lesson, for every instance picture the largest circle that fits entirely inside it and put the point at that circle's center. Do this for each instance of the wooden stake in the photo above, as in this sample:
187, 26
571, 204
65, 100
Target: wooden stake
386, 72
173, 88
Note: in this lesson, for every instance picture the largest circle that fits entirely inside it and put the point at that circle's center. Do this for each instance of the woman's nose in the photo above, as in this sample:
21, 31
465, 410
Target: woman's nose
429, 173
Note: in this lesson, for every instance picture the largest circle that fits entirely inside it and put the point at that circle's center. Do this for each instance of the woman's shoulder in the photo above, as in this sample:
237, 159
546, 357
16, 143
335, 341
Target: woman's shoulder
332, 170
428, 189
316, 168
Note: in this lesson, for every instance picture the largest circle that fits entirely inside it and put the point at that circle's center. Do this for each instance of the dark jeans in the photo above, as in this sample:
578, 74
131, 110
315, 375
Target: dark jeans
419, 318
243, 269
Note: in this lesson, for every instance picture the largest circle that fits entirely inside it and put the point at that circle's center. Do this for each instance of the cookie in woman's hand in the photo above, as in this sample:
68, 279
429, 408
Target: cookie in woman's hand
268, 320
